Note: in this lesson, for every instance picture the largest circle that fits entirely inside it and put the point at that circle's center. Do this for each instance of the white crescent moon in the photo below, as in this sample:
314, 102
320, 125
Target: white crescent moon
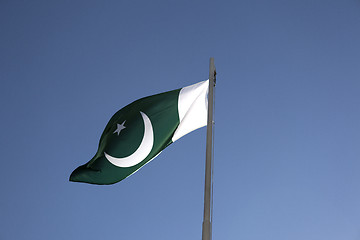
143, 150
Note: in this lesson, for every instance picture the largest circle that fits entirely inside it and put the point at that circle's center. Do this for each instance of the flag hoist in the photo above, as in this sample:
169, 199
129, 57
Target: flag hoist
138, 132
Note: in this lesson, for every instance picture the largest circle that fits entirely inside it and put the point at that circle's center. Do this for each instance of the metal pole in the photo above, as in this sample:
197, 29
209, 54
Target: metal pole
207, 225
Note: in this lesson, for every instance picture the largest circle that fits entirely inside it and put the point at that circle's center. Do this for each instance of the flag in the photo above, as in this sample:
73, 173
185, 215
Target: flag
137, 133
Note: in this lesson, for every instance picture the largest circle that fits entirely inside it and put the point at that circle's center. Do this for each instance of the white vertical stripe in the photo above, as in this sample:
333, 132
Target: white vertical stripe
192, 108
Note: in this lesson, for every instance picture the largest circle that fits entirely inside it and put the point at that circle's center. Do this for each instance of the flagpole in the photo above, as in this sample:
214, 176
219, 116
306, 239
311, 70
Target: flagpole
207, 221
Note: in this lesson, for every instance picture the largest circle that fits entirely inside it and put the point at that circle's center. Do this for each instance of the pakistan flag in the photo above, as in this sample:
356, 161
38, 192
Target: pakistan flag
137, 133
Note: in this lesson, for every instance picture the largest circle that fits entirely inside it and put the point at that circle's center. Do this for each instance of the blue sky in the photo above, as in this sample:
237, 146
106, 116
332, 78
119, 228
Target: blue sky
287, 136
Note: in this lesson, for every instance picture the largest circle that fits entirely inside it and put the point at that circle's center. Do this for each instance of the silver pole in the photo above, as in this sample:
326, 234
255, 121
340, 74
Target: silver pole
207, 225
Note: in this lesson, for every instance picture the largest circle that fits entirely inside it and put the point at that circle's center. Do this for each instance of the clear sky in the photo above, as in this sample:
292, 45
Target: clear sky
287, 136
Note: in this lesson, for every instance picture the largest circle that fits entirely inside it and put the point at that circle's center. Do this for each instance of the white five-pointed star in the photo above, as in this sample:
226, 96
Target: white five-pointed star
119, 128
